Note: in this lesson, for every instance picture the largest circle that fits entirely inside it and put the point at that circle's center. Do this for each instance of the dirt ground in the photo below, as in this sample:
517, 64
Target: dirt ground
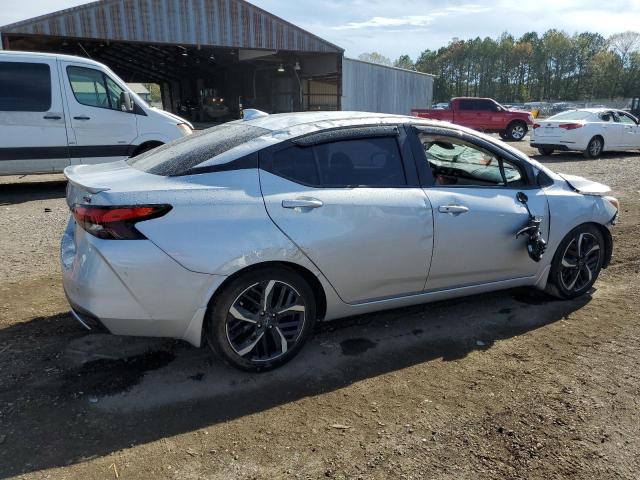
510, 385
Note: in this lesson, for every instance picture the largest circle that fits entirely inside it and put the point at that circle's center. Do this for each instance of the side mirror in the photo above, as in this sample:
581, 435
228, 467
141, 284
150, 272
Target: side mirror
126, 102
522, 197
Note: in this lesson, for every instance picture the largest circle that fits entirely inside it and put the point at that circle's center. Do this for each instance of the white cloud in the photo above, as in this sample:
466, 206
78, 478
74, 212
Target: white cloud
414, 20
380, 22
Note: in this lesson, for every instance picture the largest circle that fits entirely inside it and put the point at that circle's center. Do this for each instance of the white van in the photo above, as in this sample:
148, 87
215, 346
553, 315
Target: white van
59, 110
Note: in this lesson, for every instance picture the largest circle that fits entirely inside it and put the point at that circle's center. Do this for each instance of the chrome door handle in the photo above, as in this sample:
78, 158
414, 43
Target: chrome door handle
302, 203
453, 209
82, 118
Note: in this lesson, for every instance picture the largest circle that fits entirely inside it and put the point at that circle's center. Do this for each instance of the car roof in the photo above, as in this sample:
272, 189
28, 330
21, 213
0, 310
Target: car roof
300, 123
59, 56
285, 126
594, 110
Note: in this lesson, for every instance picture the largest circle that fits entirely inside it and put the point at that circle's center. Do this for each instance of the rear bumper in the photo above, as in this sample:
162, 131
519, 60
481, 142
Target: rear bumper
131, 287
554, 146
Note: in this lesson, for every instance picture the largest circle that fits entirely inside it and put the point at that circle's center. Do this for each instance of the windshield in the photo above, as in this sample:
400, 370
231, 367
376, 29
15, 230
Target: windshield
179, 157
572, 115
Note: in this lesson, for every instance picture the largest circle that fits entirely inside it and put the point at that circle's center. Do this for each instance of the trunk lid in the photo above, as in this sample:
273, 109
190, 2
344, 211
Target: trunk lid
91, 183
551, 128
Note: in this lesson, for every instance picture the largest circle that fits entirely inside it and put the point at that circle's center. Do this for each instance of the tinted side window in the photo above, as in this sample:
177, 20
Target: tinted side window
372, 162
466, 105
485, 105
25, 87
297, 164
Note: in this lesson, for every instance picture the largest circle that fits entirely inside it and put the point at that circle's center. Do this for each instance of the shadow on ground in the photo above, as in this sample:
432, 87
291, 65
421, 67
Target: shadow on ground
68, 408
571, 157
15, 193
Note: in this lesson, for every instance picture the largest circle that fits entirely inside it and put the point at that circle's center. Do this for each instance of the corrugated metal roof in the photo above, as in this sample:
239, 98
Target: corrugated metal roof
221, 23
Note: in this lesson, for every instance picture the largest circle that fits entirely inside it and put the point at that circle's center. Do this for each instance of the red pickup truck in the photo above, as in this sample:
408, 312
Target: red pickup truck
483, 114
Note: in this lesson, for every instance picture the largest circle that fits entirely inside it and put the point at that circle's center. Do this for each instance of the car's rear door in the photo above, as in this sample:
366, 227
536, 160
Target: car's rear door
472, 189
350, 200
33, 136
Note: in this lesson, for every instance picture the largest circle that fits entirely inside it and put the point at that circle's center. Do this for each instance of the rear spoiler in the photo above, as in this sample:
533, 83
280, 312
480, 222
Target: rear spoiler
86, 181
584, 186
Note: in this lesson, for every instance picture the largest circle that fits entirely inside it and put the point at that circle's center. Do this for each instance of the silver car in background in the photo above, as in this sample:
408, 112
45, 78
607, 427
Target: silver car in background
246, 234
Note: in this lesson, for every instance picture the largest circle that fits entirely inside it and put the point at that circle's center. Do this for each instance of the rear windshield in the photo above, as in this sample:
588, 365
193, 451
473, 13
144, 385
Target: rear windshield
179, 157
572, 115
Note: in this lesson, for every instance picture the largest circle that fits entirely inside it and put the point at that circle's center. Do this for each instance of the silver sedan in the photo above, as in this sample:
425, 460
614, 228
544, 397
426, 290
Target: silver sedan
246, 234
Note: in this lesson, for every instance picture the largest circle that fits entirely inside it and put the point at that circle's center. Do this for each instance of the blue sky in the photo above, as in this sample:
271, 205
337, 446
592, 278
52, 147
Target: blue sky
394, 27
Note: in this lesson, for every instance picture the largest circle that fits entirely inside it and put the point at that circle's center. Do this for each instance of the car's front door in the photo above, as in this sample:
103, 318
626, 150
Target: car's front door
103, 131
472, 190
348, 203
630, 132
33, 136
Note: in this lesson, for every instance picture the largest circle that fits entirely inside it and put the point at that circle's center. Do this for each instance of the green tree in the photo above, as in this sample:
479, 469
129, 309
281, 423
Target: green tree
404, 61
375, 57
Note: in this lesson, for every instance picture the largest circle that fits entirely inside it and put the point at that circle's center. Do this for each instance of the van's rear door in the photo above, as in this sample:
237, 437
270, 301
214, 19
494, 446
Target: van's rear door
33, 136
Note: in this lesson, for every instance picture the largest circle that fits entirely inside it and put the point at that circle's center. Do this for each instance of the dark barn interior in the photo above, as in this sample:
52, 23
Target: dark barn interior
206, 76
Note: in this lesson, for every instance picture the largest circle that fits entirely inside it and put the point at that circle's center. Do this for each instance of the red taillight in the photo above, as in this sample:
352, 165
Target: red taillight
536, 125
116, 223
570, 126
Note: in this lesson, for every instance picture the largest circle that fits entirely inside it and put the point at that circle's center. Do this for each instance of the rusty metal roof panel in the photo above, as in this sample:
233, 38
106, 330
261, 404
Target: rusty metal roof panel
220, 23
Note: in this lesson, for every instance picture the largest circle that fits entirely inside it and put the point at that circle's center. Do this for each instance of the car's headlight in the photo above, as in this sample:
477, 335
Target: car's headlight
613, 201
185, 129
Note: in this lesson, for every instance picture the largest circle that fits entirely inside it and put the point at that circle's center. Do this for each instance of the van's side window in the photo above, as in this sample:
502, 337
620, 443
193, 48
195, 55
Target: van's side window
25, 87
93, 88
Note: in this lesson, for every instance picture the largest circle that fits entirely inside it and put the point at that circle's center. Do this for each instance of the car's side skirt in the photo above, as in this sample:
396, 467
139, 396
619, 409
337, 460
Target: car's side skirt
344, 310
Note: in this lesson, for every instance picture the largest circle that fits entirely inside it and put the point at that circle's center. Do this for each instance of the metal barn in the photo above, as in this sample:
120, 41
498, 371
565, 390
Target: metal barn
212, 58
377, 88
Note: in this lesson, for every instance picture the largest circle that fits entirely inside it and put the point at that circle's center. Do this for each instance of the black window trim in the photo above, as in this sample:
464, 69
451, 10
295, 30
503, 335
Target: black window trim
51, 92
136, 110
265, 156
426, 176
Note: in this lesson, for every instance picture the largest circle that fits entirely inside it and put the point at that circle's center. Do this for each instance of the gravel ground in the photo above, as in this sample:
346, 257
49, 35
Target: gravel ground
507, 385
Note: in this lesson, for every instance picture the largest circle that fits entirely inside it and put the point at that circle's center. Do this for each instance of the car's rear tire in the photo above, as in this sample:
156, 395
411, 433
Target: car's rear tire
256, 334
546, 151
516, 131
577, 262
594, 148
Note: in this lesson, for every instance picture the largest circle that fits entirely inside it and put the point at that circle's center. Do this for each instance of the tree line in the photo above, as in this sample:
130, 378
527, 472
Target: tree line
552, 66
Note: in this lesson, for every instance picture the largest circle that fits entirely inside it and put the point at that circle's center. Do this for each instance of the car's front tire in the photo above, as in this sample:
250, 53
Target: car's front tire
577, 262
516, 131
261, 319
594, 148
